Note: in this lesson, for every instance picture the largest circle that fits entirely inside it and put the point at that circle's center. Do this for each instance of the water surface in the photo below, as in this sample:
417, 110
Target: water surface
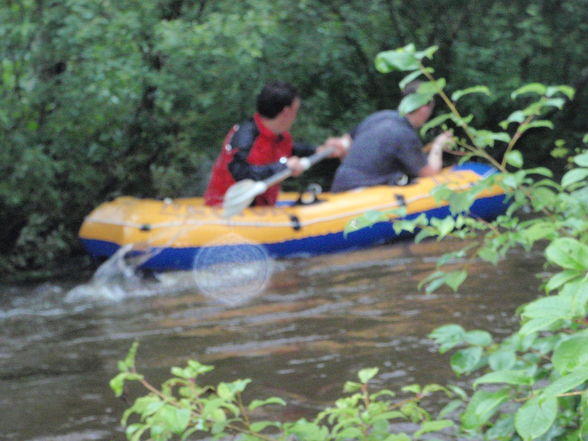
317, 323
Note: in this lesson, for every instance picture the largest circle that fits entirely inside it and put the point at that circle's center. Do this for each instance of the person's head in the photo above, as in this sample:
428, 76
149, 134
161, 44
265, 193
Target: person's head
419, 116
279, 101
274, 97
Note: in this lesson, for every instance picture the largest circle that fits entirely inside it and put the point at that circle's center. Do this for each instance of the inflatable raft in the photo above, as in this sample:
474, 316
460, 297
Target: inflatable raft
172, 232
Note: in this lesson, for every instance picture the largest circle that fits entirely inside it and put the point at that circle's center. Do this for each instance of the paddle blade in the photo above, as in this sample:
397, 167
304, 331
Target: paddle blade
240, 195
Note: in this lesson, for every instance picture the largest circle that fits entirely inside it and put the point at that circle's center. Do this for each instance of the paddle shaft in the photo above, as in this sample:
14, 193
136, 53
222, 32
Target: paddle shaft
306, 164
241, 194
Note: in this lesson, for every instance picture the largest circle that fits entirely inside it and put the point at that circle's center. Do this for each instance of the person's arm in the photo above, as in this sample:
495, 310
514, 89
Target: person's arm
341, 145
242, 141
302, 149
435, 157
241, 169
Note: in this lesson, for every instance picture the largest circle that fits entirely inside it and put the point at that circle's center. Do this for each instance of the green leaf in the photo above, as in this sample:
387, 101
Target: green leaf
566, 90
449, 258
391, 415
516, 377
134, 431
570, 354
213, 409
118, 382
537, 325
433, 426
403, 59
502, 429
541, 229
478, 337
489, 255
543, 172
535, 88
502, 359
423, 96
421, 235
350, 433
573, 176
486, 138
410, 77
466, 360
448, 336
427, 53
561, 278
557, 307
582, 160
482, 406
445, 225
535, 417
227, 391
568, 253
517, 117
435, 122
455, 278
259, 426
129, 361
555, 102
432, 88
176, 419
515, 158
412, 102
144, 407
368, 219
272, 400
308, 431
414, 388
455, 96
397, 437
565, 383
192, 370
366, 375
450, 407
351, 387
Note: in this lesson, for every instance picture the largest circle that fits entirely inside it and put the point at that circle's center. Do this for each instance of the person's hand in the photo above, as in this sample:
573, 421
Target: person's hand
294, 164
341, 144
443, 141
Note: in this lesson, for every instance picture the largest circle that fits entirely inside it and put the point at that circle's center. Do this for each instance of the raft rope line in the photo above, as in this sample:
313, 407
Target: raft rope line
197, 223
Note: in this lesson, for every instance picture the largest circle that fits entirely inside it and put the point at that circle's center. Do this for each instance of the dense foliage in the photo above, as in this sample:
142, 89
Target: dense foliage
530, 385
103, 97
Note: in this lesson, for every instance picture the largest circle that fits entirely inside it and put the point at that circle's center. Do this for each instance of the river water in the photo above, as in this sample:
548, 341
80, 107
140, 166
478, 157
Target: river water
318, 321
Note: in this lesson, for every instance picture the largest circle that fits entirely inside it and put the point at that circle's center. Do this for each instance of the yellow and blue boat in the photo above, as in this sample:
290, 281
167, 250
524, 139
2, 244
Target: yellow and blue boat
174, 231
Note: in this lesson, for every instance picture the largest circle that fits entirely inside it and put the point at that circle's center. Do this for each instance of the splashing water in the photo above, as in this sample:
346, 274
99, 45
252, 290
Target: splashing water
230, 270
118, 279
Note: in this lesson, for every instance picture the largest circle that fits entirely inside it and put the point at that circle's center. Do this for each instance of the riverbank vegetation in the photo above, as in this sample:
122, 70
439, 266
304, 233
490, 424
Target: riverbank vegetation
529, 385
103, 98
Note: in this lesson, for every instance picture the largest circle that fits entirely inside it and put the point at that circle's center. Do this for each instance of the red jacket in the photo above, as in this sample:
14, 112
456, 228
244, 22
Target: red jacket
250, 151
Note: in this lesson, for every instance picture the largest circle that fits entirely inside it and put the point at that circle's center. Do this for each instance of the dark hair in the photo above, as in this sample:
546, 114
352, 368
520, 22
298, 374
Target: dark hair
411, 88
274, 97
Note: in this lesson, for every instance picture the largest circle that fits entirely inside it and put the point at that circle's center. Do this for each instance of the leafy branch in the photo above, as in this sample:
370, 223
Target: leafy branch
182, 407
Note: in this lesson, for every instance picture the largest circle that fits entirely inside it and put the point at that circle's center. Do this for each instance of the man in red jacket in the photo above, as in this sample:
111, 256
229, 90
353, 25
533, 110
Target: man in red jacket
261, 146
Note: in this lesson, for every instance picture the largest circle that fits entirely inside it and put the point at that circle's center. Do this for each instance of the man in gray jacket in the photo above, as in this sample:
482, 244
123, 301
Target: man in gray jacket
386, 149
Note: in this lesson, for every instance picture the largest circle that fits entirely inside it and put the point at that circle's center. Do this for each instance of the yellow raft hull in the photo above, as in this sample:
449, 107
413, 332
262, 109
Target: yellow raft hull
177, 229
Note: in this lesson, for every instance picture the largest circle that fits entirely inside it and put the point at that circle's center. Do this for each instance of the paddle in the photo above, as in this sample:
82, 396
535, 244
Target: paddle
240, 195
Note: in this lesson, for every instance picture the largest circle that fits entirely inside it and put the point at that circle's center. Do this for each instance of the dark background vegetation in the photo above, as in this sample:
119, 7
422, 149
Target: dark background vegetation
100, 98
